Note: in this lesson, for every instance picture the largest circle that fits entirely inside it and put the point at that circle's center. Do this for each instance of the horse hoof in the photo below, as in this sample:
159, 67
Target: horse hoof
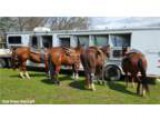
93, 90
22, 77
57, 83
28, 78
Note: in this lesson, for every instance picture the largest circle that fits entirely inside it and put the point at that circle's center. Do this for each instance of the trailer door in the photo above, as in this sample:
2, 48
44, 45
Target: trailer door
35, 43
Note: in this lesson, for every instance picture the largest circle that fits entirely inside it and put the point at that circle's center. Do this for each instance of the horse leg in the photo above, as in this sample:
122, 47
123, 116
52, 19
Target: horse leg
46, 67
87, 84
25, 70
57, 69
98, 75
102, 77
22, 70
145, 88
127, 80
27, 75
92, 76
22, 74
132, 82
138, 86
75, 75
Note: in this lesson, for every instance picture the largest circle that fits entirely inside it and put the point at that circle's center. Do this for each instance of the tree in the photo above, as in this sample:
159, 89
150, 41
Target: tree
68, 23
29, 23
6, 23
55, 23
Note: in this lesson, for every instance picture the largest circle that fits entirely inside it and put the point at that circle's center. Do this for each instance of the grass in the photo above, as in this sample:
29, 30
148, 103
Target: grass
41, 91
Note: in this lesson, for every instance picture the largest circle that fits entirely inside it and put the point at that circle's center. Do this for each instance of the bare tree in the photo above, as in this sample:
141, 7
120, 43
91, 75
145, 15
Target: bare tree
55, 23
29, 23
68, 23
6, 23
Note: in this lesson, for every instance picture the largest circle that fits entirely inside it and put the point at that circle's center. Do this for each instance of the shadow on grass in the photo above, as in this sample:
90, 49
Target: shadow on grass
78, 85
65, 78
30, 74
61, 79
119, 87
47, 81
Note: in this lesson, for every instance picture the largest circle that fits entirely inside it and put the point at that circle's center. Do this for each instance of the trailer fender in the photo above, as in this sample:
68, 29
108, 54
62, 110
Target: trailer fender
112, 72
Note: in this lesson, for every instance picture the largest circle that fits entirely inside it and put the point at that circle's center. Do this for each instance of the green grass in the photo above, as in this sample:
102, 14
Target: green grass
69, 92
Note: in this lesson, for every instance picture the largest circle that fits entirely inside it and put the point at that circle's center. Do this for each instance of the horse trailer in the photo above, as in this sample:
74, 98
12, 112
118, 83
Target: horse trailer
147, 40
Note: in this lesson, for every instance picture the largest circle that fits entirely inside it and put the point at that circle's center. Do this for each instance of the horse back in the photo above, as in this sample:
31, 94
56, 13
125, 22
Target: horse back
132, 62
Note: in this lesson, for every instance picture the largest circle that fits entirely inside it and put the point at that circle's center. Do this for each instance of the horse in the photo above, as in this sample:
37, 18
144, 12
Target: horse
128, 79
93, 59
20, 56
63, 56
134, 65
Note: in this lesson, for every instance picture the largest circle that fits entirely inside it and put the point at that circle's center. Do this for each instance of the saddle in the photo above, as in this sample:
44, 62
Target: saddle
43, 55
68, 50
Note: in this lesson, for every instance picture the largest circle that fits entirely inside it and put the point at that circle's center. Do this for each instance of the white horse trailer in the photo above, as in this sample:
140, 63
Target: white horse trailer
146, 40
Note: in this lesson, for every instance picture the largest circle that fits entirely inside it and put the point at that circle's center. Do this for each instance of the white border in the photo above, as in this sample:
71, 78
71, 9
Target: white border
91, 8
80, 112
95, 8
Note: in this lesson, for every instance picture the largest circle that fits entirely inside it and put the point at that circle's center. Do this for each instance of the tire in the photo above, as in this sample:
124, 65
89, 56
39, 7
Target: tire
2, 63
112, 73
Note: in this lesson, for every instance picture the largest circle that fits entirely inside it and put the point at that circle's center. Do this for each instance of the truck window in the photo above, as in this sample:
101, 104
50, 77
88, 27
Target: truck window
14, 39
84, 41
121, 40
34, 42
100, 40
65, 42
46, 41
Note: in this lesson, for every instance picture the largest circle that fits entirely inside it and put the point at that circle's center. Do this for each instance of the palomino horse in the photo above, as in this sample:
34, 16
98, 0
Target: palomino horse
133, 64
93, 59
22, 54
63, 56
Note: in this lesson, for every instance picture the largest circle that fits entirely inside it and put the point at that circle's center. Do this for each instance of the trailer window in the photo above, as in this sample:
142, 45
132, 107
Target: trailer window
121, 40
84, 41
34, 42
14, 40
65, 42
46, 41
100, 40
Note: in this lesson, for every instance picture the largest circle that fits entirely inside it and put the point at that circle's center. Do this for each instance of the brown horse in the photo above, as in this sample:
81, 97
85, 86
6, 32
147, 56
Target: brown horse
93, 59
22, 54
134, 65
63, 56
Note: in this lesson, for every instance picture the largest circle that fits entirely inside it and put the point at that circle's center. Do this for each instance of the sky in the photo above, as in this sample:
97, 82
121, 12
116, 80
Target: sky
124, 22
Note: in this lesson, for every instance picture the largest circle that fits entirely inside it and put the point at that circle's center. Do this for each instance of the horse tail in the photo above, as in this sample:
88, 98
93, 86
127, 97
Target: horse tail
143, 74
99, 52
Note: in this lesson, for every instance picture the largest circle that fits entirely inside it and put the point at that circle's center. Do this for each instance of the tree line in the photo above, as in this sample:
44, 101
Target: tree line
54, 23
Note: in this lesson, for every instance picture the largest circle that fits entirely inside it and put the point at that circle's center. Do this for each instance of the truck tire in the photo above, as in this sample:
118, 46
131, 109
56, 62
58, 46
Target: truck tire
112, 73
2, 63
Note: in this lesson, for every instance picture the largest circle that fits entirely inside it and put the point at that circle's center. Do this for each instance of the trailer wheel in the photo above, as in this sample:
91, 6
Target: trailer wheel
112, 73
2, 63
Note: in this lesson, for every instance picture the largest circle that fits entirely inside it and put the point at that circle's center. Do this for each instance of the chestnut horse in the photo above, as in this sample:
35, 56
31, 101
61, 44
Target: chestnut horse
20, 56
93, 59
134, 64
63, 56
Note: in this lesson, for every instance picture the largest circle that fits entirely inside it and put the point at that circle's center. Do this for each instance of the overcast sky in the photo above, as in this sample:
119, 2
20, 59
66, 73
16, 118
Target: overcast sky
121, 22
